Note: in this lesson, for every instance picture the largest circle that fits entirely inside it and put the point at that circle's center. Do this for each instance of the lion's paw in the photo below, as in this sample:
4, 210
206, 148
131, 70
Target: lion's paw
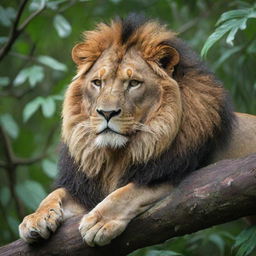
99, 230
40, 224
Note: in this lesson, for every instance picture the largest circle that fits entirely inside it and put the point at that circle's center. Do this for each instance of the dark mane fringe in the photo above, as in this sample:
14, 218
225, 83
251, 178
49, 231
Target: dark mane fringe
85, 191
130, 25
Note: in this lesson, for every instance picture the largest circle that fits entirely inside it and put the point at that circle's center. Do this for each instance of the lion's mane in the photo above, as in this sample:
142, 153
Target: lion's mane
206, 117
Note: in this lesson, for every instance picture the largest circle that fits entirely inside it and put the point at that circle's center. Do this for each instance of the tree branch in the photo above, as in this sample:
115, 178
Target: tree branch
12, 162
16, 29
212, 195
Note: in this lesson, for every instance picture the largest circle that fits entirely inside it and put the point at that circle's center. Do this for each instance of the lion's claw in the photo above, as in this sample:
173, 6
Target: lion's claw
40, 224
97, 230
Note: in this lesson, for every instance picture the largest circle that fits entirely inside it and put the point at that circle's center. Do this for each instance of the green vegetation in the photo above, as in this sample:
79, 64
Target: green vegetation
36, 67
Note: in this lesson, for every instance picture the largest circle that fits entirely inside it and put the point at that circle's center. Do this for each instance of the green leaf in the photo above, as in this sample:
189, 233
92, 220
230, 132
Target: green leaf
31, 108
6, 16
48, 106
4, 81
34, 75
162, 253
231, 36
245, 241
9, 125
231, 21
36, 4
54, 5
21, 77
215, 36
57, 97
62, 26
237, 24
50, 168
3, 39
219, 242
52, 63
31, 193
241, 13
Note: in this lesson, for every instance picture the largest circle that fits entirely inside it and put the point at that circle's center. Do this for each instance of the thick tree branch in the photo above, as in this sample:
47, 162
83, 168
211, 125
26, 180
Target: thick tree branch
212, 195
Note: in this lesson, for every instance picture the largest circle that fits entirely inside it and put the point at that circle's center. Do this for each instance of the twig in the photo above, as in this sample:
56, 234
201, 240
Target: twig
12, 163
32, 16
7, 147
16, 31
10, 168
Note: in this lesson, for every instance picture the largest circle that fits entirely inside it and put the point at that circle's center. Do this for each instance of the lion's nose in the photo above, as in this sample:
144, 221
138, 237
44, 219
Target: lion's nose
108, 114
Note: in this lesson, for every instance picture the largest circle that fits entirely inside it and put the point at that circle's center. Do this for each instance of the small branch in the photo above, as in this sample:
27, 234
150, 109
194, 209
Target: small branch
7, 147
29, 161
16, 31
19, 13
10, 169
12, 162
32, 16
212, 195
15, 161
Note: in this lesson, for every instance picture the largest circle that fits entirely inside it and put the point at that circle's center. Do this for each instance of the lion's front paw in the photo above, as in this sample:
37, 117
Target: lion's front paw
40, 224
99, 230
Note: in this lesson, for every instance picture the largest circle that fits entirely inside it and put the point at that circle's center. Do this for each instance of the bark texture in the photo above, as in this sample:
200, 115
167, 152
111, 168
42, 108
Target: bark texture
212, 195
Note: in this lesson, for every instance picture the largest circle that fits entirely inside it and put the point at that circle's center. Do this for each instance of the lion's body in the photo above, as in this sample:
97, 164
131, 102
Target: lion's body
142, 112
242, 141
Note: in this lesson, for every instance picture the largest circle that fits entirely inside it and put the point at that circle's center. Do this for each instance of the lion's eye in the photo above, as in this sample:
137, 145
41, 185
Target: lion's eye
134, 83
97, 82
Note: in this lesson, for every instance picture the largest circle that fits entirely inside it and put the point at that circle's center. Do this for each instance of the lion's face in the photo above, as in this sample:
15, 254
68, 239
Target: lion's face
120, 97
137, 87
123, 95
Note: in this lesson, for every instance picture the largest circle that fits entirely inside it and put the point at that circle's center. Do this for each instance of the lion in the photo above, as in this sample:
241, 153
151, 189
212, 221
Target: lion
141, 113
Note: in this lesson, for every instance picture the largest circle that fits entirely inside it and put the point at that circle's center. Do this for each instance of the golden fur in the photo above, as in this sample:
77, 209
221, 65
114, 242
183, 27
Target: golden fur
176, 118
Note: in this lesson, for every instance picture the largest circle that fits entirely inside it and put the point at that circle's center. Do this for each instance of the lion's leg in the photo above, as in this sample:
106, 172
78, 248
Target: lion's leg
55, 208
110, 217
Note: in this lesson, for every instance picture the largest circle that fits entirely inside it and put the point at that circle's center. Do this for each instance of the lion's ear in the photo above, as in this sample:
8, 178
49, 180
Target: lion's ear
166, 57
78, 53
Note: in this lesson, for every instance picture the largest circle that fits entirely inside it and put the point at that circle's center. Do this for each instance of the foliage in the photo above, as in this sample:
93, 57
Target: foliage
245, 242
36, 69
229, 22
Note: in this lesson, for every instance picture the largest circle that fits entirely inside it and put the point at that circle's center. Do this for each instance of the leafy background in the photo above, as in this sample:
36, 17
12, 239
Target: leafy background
37, 69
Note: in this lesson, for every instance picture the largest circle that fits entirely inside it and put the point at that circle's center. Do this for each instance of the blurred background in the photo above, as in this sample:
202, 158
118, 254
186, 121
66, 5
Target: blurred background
36, 38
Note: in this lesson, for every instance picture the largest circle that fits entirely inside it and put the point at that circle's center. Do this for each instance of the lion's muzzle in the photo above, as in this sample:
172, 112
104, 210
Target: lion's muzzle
108, 114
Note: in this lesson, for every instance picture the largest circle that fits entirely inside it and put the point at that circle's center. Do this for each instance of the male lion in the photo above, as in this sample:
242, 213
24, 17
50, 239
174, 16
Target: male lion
141, 113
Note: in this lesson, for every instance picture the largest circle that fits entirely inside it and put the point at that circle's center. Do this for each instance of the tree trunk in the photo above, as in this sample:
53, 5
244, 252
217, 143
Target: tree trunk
212, 195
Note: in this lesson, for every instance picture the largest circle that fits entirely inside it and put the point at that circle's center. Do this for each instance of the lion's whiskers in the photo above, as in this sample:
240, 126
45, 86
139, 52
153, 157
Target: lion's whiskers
143, 127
